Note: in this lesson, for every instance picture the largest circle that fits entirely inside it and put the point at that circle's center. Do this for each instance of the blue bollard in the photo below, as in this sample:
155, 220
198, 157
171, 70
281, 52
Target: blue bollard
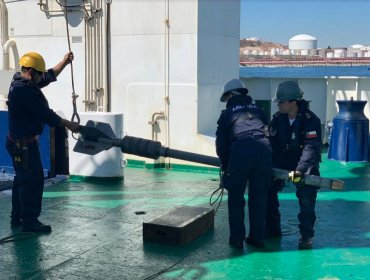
350, 133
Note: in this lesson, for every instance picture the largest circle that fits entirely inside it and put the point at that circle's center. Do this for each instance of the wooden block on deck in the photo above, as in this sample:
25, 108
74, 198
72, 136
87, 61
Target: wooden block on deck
179, 226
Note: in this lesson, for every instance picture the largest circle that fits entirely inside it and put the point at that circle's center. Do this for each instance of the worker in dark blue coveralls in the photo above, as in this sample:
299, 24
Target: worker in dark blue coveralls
245, 155
295, 135
28, 112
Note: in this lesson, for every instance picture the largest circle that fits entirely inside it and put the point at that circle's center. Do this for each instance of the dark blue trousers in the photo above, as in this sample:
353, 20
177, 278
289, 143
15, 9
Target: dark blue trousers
28, 183
249, 161
307, 199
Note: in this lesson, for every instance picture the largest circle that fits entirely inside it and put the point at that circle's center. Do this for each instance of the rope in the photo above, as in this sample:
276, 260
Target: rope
220, 195
74, 95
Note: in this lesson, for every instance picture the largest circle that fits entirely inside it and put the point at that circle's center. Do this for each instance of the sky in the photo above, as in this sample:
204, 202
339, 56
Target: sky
335, 23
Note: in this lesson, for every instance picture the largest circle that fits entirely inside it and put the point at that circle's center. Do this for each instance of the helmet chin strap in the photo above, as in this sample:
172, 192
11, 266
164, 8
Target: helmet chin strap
33, 76
232, 93
235, 92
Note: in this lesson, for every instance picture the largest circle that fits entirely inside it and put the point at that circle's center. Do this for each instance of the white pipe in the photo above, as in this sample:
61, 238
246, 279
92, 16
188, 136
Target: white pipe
4, 22
88, 78
95, 61
167, 72
87, 47
10, 44
91, 77
86, 84
96, 57
96, 95
5, 42
107, 65
101, 57
92, 58
89, 64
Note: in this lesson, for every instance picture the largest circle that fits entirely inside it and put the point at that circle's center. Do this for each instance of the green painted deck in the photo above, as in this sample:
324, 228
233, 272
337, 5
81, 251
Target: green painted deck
97, 232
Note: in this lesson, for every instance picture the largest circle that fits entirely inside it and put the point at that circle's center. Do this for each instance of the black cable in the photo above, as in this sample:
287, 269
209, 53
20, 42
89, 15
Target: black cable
219, 197
155, 275
166, 269
221, 194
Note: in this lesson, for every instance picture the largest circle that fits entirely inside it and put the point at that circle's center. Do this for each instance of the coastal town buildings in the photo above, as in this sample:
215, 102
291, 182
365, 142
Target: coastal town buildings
302, 47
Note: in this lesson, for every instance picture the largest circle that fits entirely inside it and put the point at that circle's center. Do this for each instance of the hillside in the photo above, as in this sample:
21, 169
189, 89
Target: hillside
253, 45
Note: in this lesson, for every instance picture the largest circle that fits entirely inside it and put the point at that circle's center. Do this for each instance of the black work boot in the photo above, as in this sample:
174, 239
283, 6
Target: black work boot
305, 242
35, 226
15, 221
254, 242
236, 245
273, 233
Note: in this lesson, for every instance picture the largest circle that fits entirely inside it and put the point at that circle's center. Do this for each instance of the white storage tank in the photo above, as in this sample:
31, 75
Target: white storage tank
304, 52
356, 47
351, 54
303, 42
330, 54
106, 164
338, 53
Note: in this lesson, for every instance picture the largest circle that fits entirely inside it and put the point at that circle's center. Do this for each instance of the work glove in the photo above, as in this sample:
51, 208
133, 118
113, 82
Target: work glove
297, 178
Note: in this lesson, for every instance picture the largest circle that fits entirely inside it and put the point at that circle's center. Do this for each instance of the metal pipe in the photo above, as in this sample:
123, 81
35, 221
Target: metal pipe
86, 84
153, 122
172, 153
4, 22
99, 54
97, 62
5, 42
88, 63
95, 59
43, 8
107, 65
10, 44
167, 70
94, 56
91, 93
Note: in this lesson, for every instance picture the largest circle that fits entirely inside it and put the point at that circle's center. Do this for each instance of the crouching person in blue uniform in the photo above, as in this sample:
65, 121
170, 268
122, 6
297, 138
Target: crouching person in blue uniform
28, 112
295, 135
245, 156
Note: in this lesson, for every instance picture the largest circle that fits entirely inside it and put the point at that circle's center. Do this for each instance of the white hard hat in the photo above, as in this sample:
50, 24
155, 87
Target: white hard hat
233, 86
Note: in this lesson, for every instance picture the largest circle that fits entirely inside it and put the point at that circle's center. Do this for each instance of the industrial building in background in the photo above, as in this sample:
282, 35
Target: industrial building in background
300, 45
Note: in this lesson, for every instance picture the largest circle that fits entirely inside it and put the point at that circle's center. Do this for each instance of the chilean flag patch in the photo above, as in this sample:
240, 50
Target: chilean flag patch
311, 134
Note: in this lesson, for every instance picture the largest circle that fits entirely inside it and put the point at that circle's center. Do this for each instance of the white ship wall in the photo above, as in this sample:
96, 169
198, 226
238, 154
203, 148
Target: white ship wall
189, 70
178, 70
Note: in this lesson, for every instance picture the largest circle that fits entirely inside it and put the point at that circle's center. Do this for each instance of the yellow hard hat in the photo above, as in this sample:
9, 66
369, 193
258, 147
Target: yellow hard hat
33, 60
